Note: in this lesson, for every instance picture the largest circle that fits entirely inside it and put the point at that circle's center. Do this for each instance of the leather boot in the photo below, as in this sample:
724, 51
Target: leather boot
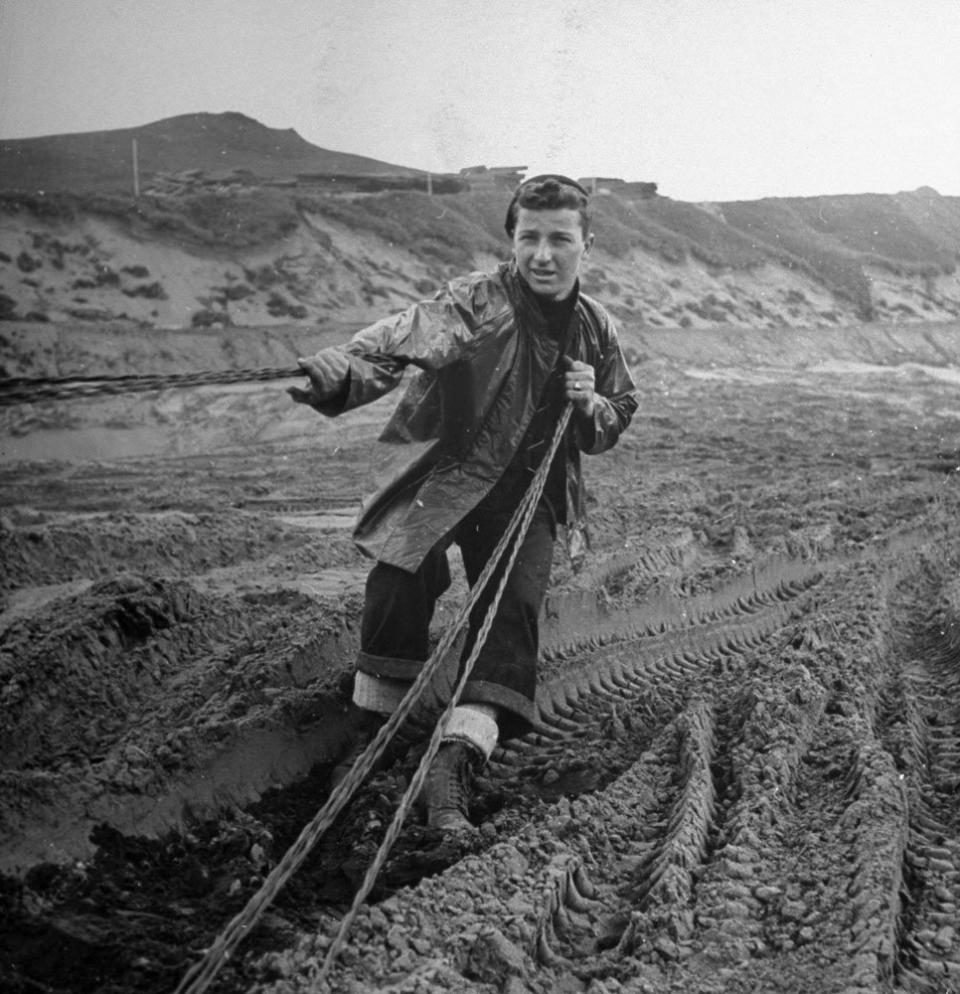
446, 791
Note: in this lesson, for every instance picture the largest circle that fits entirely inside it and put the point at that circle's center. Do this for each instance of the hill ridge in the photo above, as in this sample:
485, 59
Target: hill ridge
102, 161
332, 241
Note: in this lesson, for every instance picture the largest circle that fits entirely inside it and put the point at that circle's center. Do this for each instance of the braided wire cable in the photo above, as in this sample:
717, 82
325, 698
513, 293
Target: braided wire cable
27, 390
199, 977
517, 526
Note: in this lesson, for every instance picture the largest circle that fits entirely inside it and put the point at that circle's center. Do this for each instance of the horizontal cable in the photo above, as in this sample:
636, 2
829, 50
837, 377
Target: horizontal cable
27, 390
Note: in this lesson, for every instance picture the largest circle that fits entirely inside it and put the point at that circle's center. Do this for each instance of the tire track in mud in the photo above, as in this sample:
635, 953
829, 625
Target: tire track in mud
647, 890
647, 659
753, 825
713, 788
177, 656
611, 697
923, 734
152, 712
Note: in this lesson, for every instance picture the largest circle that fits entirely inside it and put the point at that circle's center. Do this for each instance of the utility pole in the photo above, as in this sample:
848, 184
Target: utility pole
136, 172
429, 184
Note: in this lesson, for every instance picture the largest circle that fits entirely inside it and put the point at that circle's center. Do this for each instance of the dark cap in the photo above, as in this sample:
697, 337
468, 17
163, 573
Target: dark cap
511, 219
562, 180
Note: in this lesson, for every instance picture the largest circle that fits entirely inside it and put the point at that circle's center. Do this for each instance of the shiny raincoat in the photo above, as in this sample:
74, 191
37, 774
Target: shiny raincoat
483, 359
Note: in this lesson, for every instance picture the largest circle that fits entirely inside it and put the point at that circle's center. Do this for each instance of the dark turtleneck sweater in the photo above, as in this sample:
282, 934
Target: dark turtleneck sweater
511, 486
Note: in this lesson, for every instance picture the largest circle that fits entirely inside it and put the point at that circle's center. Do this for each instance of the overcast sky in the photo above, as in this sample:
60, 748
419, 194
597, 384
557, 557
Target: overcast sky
712, 99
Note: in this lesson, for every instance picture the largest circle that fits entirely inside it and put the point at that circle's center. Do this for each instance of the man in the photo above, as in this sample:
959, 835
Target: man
499, 355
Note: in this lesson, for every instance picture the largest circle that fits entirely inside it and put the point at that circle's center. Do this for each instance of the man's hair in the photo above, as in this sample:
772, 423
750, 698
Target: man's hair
547, 193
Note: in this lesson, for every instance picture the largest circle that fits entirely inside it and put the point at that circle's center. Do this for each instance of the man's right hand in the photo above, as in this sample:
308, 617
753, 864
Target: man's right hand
326, 376
578, 384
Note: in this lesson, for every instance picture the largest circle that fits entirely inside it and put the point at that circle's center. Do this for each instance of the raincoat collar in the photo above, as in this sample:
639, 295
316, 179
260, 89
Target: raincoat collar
526, 304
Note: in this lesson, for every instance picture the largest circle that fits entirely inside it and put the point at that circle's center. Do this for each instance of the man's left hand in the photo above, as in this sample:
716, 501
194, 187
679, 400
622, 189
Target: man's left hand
578, 384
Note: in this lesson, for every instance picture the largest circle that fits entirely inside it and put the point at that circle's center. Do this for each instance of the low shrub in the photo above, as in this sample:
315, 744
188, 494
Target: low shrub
205, 318
265, 276
152, 291
8, 308
236, 291
279, 307
26, 262
105, 276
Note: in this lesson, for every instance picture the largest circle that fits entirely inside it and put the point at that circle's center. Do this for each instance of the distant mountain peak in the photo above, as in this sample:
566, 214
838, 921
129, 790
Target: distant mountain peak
102, 161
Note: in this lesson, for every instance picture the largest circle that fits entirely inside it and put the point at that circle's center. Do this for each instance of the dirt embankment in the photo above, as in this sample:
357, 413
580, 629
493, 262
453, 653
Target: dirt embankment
252, 256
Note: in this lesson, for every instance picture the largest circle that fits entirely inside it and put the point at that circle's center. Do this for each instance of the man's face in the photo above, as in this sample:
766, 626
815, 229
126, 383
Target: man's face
549, 247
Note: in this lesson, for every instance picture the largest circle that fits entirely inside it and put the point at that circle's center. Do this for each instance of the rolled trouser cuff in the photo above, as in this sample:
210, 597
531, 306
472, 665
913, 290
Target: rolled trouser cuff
390, 667
475, 724
516, 713
378, 693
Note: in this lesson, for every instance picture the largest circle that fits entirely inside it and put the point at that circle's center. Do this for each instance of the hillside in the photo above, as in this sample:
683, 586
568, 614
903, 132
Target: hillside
262, 256
194, 250
102, 161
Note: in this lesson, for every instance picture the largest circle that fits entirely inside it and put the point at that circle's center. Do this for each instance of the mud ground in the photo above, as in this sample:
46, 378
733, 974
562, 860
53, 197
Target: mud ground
747, 776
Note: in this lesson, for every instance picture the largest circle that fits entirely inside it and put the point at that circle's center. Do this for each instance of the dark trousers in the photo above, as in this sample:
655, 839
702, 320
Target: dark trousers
394, 634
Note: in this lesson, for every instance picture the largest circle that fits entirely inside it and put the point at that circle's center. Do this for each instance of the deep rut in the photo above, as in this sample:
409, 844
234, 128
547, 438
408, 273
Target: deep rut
724, 804
924, 735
